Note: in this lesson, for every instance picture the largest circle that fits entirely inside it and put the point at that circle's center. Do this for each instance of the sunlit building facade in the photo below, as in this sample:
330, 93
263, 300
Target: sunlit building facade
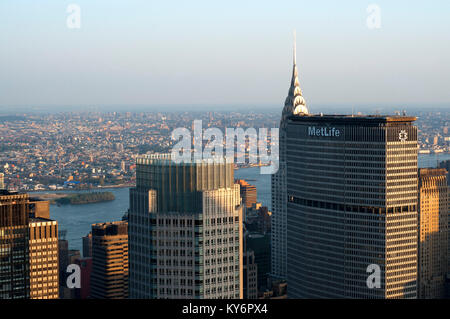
109, 276
352, 203
433, 232
44, 262
185, 228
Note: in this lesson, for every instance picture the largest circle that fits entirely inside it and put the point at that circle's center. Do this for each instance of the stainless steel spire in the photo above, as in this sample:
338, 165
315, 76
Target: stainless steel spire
294, 105
295, 48
295, 102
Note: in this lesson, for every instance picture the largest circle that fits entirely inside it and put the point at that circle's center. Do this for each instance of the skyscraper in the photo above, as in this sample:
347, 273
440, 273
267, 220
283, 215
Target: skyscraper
85, 271
294, 104
446, 165
109, 276
352, 206
250, 281
43, 247
433, 232
259, 244
185, 230
87, 245
248, 193
63, 262
44, 274
14, 249
258, 219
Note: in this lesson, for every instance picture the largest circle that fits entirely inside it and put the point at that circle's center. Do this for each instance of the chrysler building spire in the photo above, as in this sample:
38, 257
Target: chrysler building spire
295, 103
295, 48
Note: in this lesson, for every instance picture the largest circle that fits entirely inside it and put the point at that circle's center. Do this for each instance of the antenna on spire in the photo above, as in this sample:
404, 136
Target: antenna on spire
295, 48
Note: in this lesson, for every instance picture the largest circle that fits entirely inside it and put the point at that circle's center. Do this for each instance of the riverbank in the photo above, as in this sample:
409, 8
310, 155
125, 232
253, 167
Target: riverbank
76, 198
71, 190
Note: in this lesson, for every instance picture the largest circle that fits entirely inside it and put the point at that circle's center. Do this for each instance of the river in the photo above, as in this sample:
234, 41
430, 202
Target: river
77, 219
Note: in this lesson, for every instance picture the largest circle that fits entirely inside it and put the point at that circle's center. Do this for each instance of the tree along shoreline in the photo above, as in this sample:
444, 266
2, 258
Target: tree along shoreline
84, 198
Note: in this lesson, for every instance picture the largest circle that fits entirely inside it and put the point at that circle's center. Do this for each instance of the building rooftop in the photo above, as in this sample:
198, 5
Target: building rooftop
164, 159
110, 228
432, 172
4, 192
40, 220
352, 118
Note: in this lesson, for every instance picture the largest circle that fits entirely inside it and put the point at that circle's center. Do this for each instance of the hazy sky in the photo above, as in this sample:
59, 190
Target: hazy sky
223, 52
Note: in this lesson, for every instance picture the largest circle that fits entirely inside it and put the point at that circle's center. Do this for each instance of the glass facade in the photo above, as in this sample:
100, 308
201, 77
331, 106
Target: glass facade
14, 249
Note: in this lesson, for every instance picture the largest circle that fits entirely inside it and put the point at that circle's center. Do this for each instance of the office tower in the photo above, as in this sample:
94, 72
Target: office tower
39, 208
73, 255
447, 286
85, 271
433, 232
258, 219
185, 228
66, 257
294, 104
43, 247
250, 281
44, 277
277, 290
2, 181
109, 277
259, 243
446, 165
14, 252
248, 193
63, 258
87, 245
352, 206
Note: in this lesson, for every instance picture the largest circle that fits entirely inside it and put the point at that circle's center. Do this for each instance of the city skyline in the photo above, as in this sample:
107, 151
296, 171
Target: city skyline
154, 150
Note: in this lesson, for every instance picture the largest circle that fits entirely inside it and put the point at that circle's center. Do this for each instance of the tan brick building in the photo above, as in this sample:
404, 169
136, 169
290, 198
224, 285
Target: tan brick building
43, 245
433, 234
109, 277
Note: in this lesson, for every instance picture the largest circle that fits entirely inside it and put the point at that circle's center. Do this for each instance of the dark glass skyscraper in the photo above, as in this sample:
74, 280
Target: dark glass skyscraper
14, 249
352, 202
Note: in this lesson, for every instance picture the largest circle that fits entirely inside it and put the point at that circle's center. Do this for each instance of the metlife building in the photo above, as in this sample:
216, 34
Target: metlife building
352, 206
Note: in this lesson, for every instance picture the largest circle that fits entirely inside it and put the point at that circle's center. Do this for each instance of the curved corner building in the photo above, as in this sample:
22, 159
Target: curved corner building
185, 230
352, 202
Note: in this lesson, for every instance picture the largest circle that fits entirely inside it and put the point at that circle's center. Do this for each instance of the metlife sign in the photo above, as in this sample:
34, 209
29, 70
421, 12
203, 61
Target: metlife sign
324, 131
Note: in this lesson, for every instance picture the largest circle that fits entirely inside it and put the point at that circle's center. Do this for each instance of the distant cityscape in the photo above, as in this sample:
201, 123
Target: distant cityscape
79, 241
93, 150
98, 205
